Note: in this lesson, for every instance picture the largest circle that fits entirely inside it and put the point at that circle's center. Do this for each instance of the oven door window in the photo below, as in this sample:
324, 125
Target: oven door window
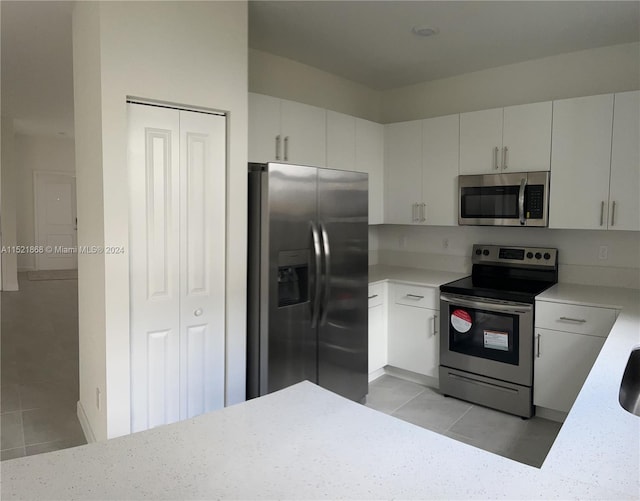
484, 334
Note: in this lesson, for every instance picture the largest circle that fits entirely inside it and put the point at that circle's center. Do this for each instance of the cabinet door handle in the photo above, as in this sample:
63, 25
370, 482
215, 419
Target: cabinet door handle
415, 296
504, 157
435, 324
613, 213
538, 348
495, 158
602, 213
371, 297
286, 148
415, 217
577, 320
422, 212
278, 147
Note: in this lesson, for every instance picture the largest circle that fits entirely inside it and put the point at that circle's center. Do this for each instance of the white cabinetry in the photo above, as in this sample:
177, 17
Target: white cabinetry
580, 162
421, 167
624, 200
568, 339
413, 329
513, 139
370, 159
286, 131
341, 141
377, 327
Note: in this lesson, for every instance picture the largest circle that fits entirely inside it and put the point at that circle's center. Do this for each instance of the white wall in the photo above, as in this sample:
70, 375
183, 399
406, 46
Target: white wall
287, 79
192, 53
36, 153
449, 248
8, 208
588, 72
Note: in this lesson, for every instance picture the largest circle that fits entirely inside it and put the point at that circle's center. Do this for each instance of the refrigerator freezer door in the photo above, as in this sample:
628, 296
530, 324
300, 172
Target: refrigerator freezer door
343, 326
288, 352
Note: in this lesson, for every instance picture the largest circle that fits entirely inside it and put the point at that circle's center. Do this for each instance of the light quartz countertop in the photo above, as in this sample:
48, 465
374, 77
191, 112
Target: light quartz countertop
413, 276
306, 442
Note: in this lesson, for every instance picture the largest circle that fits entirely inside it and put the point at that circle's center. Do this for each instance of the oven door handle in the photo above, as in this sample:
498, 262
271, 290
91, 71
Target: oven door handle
481, 305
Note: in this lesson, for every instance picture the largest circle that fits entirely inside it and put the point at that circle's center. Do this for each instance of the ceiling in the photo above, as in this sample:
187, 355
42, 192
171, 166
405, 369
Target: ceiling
371, 42
365, 41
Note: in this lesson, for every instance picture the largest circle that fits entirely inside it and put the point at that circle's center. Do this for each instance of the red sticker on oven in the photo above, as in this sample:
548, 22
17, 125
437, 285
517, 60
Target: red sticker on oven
461, 320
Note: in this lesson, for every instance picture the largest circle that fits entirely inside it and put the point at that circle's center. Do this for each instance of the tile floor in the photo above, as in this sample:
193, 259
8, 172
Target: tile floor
39, 368
527, 441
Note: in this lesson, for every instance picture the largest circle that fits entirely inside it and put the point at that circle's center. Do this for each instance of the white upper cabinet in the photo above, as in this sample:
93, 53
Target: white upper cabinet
370, 159
440, 170
526, 137
303, 134
511, 139
341, 141
480, 141
624, 198
580, 162
286, 131
403, 172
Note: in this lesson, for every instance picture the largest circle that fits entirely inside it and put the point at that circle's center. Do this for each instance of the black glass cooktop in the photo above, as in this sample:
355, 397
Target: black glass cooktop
522, 291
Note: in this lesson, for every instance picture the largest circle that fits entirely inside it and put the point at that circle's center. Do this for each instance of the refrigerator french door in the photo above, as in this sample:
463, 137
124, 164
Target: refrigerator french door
307, 279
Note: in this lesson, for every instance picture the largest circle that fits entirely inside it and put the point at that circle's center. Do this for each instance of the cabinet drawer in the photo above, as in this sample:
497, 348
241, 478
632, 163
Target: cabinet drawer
573, 318
376, 294
422, 297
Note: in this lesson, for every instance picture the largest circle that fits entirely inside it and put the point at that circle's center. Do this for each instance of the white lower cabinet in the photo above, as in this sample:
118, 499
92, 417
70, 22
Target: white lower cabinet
563, 358
377, 327
413, 329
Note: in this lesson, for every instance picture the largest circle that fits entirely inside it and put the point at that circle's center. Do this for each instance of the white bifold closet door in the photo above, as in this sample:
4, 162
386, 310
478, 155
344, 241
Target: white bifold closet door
176, 162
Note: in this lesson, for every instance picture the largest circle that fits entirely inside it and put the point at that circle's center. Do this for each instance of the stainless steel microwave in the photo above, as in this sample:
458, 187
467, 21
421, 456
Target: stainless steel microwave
514, 199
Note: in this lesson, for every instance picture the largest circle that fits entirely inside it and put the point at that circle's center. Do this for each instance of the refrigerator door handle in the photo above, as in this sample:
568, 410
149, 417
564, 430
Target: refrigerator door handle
327, 273
317, 253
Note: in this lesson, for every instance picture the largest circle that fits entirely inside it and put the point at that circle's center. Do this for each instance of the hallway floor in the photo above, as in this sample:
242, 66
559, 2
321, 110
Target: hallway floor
524, 440
39, 368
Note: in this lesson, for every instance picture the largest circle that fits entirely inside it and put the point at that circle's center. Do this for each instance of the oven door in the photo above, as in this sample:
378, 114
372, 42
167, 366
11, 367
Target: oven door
488, 337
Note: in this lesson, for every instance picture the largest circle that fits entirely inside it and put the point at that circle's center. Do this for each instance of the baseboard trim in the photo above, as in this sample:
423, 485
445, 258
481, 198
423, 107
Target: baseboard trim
84, 423
551, 414
376, 374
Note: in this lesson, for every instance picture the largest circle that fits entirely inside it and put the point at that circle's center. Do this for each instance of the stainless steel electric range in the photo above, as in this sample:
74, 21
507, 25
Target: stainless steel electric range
486, 326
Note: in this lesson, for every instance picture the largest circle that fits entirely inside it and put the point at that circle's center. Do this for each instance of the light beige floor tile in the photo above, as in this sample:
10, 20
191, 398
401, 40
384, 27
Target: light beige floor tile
388, 393
49, 425
432, 411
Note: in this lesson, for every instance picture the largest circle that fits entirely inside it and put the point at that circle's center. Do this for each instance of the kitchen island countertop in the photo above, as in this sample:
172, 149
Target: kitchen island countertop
306, 442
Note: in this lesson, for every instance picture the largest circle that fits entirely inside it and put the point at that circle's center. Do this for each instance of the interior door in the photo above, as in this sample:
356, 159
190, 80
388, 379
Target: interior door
55, 212
177, 263
343, 324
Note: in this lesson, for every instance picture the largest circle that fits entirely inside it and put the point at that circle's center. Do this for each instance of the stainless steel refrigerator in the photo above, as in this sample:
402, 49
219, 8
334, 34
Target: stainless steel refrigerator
307, 279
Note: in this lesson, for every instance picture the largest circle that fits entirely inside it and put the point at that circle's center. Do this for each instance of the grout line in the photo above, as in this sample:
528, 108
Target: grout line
409, 400
454, 423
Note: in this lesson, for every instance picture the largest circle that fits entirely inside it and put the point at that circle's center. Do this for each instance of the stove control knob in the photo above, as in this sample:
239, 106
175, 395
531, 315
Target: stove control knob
547, 256
538, 255
478, 252
529, 255
485, 252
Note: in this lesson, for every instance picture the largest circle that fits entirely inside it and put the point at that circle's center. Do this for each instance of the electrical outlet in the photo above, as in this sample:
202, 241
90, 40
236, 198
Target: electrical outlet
445, 243
98, 398
402, 241
603, 252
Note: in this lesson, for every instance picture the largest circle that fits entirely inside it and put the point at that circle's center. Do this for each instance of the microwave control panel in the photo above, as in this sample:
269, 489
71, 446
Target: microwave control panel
534, 201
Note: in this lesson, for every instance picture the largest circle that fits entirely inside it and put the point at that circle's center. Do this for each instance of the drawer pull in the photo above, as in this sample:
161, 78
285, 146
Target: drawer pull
371, 297
577, 320
415, 296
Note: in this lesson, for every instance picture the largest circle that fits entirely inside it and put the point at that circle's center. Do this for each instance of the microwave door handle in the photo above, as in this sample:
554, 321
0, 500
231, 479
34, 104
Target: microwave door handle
523, 184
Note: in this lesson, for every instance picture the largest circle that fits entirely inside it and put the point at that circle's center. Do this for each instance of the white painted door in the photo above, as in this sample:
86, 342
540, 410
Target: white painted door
625, 163
341, 141
581, 162
526, 138
403, 171
370, 159
55, 212
177, 241
480, 141
304, 131
440, 143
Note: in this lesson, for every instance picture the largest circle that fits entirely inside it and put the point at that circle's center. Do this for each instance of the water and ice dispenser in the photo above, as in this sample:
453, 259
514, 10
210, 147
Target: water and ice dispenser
293, 277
